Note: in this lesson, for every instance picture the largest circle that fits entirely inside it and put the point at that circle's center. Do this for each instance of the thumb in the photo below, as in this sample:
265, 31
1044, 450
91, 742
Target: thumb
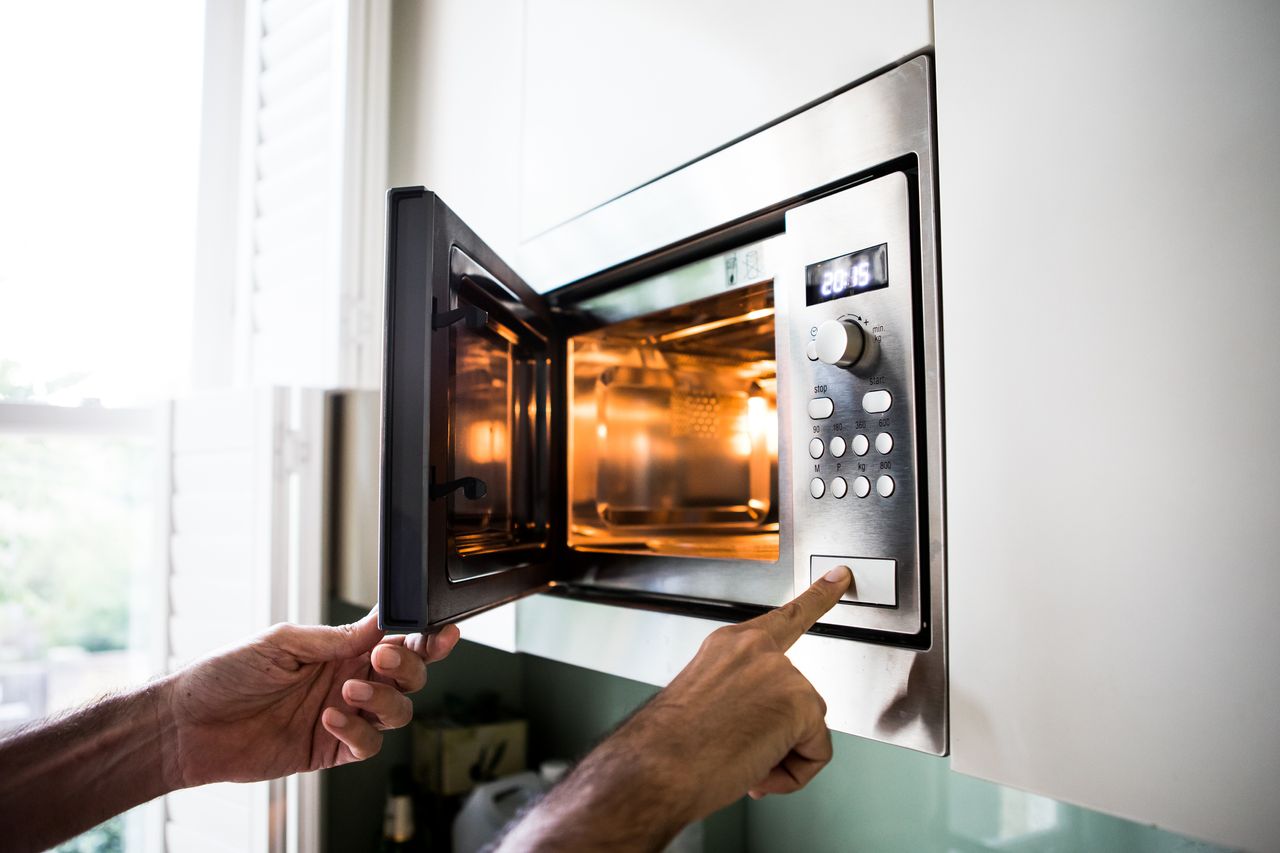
334, 642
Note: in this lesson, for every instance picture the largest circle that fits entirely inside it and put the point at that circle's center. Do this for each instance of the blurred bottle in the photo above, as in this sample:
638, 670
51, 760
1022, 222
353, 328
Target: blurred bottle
398, 835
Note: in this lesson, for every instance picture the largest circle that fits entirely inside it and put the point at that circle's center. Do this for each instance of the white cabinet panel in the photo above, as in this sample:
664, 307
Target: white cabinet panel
455, 109
1110, 204
618, 93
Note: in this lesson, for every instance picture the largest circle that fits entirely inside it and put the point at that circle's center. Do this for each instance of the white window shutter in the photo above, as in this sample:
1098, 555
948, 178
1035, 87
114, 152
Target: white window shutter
313, 177
246, 487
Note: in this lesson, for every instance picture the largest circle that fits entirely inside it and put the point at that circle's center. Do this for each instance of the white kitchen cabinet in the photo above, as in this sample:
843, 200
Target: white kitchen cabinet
617, 93
1110, 204
523, 115
456, 108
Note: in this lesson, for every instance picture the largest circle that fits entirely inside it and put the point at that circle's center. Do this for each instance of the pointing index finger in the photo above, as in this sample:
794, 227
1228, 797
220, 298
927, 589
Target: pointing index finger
787, 623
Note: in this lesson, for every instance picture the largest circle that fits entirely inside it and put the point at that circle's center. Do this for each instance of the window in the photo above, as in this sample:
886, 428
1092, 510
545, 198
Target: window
100, 105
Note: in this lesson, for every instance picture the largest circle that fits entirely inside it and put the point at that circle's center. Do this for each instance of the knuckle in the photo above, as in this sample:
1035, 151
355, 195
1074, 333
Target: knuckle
721, 638
280, 631
755, 639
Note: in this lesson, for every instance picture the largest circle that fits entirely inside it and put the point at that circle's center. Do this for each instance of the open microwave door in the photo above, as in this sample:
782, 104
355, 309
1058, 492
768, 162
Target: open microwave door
472, 492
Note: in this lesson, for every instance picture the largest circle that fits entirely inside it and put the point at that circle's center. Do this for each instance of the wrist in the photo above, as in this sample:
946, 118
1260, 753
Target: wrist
630, 793
160, 708
654, 746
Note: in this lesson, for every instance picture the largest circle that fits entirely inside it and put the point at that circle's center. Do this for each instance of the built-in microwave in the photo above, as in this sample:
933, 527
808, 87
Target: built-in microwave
691, 410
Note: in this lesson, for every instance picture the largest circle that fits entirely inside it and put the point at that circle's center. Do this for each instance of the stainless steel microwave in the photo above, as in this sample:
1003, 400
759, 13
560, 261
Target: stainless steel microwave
714, 389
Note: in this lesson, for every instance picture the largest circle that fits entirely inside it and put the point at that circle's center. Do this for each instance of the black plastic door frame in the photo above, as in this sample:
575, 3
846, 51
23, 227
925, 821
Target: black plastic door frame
425, 298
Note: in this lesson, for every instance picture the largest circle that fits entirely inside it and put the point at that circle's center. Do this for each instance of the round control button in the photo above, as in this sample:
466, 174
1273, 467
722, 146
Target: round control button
840, 342
884, 442
837, 446
815, 448
839, 488
860, 445
884, 485
861, 487
811, 350
817, 488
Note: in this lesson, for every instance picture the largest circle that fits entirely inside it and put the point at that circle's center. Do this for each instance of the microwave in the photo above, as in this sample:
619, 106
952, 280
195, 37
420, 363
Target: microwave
694, 399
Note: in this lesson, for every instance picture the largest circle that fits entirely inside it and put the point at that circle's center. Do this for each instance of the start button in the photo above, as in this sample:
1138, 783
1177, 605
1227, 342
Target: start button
875, 581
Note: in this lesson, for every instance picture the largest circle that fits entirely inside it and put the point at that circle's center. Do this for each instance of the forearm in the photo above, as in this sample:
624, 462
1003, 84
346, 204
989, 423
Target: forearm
629, 794
65, 775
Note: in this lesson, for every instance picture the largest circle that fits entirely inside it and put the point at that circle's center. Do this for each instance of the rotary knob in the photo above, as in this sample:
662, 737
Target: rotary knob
840, 342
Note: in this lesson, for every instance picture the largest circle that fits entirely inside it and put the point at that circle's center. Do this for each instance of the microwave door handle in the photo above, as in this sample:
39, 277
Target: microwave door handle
473, 317
473, 488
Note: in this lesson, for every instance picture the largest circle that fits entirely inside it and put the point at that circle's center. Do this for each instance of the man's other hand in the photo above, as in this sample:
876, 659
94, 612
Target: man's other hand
295, 698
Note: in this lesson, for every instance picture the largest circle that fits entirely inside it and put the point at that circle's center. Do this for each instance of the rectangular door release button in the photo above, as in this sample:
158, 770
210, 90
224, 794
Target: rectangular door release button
877, 401
821, 407
875, 581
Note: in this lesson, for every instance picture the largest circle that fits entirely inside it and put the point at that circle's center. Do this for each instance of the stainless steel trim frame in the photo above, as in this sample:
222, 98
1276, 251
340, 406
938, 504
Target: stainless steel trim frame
893, 693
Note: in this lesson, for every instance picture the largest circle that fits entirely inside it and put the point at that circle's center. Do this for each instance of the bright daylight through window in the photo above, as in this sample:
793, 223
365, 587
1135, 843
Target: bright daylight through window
100, 109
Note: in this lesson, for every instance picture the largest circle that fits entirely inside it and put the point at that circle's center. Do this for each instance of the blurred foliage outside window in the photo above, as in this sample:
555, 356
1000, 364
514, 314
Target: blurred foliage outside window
101, 105
76, 528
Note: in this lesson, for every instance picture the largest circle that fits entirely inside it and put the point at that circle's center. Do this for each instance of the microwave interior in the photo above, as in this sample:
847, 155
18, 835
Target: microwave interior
673, 432
670, 459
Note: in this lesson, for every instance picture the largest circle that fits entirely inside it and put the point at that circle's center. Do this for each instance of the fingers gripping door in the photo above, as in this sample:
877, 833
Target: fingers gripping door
472, 506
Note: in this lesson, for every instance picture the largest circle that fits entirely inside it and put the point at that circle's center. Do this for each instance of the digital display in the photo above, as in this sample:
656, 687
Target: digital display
856, 272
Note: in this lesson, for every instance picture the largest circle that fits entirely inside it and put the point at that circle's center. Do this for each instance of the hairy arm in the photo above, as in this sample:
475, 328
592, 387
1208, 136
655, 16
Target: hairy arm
630, 793
67, 775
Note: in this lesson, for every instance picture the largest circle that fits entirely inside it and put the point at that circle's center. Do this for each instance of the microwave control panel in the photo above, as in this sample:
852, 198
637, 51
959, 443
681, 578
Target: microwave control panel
851, 338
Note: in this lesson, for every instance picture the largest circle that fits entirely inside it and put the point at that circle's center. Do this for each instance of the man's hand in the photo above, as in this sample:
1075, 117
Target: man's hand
743, 716
295, 698
739, 719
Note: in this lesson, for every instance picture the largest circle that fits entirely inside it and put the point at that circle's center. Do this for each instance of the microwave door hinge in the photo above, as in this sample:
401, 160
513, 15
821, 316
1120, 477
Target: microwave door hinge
473, 488
473, 317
